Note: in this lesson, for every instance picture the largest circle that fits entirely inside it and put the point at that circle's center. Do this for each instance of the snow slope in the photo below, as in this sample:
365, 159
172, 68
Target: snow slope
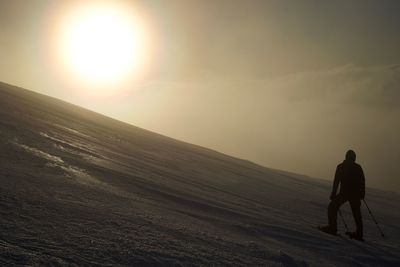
78, 188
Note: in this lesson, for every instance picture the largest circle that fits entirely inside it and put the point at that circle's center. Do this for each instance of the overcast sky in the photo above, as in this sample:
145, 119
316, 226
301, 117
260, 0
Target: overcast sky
287, 84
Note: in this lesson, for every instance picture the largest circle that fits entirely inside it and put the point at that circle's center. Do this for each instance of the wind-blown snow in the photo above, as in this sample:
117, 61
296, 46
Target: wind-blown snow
41, 154
78, 188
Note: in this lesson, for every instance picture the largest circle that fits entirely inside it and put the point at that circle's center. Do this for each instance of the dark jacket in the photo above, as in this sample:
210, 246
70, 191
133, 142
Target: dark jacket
351, 178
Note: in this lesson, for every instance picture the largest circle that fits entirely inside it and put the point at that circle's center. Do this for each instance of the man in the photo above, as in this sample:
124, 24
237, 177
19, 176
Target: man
350, 176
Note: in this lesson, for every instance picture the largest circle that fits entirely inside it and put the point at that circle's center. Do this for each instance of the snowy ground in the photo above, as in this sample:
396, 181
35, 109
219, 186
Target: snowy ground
81, 189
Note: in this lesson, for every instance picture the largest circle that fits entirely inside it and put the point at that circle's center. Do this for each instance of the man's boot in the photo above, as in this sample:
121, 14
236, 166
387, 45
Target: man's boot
327, 229
355, 235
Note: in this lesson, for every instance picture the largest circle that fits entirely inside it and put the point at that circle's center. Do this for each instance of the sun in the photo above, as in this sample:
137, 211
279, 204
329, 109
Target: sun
102, 44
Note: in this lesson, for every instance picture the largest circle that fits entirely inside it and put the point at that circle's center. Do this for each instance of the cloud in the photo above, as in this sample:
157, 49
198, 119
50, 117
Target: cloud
369, 86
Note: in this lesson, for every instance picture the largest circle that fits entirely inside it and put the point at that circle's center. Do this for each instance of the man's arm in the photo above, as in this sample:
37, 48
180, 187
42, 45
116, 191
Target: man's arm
336, 182
362, 186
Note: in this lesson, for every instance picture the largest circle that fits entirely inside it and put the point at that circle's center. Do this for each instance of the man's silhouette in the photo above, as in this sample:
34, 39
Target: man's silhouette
350, 176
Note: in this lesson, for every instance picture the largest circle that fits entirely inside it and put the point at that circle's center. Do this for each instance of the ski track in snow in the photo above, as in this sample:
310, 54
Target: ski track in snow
78, 189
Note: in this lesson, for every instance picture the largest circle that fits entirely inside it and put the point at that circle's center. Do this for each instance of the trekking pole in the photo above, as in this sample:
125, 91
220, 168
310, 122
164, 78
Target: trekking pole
344, 222
373, 218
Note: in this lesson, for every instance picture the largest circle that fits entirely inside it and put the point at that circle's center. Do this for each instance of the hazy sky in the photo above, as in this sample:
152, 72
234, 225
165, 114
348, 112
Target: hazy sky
287, 84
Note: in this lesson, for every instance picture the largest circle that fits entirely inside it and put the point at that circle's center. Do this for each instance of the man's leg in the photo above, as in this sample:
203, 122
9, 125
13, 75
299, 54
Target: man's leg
355, 205
333, 209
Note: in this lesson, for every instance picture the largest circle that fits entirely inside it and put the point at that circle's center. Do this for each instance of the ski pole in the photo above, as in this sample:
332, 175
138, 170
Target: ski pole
344, 222
373, 218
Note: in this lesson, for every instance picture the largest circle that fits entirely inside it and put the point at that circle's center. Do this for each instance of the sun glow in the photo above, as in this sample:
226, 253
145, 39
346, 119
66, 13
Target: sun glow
103, 45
